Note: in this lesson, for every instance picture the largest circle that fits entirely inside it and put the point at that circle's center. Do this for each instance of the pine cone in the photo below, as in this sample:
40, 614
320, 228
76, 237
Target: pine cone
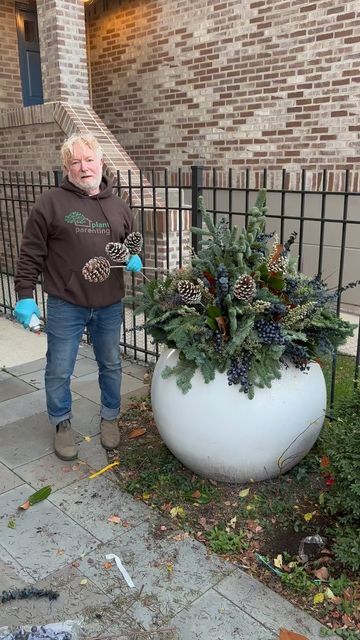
96, 269
190, 293
244, 288
134, 242
117, 251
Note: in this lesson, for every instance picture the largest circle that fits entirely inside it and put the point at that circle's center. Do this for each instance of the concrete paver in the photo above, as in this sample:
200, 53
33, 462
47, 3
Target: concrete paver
49, 470
74, 598
44, 539
97, 500
92, 453
168, 574
265, 605
213, 617
13, 387
26, 440
182, 592
8, 479
13, 575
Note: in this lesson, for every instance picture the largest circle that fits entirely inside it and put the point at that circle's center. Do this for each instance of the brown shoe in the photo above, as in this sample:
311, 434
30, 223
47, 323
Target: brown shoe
110, 434
65, 447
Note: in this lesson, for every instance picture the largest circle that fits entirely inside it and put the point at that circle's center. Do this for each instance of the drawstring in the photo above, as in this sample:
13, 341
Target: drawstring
106, 218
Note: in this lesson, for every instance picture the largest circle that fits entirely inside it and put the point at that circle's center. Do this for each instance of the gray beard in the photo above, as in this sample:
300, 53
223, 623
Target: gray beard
89, 186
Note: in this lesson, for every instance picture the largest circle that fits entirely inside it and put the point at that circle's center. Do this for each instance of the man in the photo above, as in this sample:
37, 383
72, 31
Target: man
67, 226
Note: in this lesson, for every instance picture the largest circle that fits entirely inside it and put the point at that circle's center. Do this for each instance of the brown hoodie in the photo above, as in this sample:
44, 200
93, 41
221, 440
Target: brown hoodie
66, 228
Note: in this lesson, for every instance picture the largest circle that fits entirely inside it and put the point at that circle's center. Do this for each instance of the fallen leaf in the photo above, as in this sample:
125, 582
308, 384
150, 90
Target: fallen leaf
60, 552
107, 565
146, 495
330, 595
181, 536
244, 493
278, 561
324, 462
170, 567
163, 528
11, 524
346, 620
177, 511
196, 494
318, 598
136, 433
114, 519
253, 526
348, 594
285, 634
83, 582
75, 564
308, 516
87, 438
322, 573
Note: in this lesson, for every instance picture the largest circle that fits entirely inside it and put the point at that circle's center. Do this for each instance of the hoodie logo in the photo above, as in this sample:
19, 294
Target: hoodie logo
85, 225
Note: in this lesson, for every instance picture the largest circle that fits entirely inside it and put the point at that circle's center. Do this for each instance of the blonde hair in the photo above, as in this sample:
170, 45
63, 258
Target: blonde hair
88, 139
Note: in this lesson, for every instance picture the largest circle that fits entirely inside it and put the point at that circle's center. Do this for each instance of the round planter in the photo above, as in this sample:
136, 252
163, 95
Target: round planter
217, 432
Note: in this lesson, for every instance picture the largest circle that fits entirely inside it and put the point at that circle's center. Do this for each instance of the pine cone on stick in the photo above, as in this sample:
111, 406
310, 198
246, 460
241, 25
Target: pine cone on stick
244, 288
117, 251
134, 242
96, 270
190, 292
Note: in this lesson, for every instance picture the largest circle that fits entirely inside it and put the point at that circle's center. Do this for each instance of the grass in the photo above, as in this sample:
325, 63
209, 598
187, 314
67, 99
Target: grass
257, 526
344, 377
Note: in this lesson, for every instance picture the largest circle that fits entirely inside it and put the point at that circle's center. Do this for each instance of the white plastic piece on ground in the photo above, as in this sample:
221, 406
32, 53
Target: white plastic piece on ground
216, 431
120, 566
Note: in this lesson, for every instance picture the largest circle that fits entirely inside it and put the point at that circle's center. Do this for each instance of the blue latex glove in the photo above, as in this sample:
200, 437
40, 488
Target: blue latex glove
24, 309
134, 264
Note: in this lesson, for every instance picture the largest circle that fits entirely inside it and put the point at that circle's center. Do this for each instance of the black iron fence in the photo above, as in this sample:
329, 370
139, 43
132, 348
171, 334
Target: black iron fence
322, 207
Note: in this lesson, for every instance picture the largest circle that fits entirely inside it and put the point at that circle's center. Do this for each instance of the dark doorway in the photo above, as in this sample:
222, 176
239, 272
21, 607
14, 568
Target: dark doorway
29, 55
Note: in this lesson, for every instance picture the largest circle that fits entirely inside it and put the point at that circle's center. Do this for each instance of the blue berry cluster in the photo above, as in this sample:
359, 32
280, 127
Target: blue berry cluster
278, 309
218, 342
222, 282
238, 372
299, 356
269, 332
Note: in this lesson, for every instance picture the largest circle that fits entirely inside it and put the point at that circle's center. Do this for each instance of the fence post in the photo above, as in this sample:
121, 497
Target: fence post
196, 191
58, 176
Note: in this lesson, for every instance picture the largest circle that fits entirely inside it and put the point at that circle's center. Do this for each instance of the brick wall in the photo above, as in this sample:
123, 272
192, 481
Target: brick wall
10, 86
270, 83
63, 50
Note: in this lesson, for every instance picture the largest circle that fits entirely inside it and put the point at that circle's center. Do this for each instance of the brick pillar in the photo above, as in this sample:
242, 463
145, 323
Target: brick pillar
63, 51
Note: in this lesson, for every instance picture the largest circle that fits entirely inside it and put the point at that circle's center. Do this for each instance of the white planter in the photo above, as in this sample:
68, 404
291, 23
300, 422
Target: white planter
219, 433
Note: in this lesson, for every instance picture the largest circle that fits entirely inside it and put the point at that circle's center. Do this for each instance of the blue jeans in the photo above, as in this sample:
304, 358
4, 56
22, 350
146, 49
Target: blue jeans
65, 326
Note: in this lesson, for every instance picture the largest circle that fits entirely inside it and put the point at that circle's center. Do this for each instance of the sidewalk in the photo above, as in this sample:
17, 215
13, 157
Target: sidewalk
181, 592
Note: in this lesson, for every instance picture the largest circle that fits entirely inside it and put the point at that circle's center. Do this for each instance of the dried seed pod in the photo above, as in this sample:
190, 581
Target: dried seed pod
190, 293
244, 288
96, 270
134, 242
117, 251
